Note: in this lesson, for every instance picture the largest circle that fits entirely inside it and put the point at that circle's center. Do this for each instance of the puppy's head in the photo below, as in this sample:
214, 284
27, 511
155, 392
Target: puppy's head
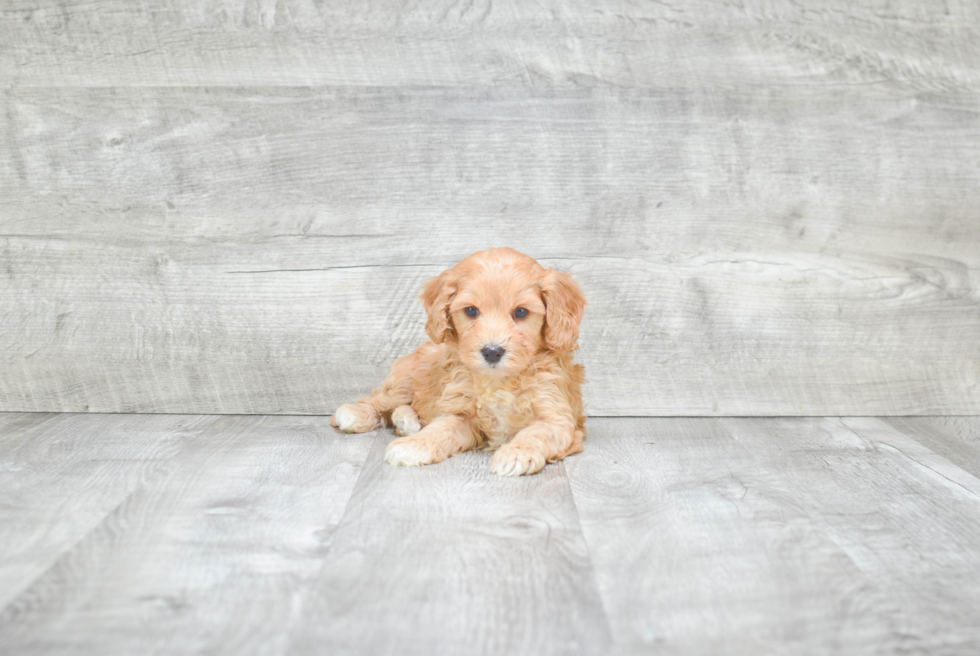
500, 307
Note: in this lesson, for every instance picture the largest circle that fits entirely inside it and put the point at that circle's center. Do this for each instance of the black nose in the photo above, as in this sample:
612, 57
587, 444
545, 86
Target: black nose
492, 354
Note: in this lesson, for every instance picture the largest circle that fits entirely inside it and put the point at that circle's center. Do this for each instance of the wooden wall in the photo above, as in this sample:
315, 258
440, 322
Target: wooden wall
228, 206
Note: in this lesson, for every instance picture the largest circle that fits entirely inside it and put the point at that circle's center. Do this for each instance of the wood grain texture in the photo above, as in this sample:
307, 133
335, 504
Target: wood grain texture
451, 559
212, 557
749, 536
276, 535
259, 250
955, 438
487, 43
62, 475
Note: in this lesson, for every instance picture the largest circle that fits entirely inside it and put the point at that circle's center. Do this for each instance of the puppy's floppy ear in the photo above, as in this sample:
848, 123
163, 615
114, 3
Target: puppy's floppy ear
436, 294
564, 306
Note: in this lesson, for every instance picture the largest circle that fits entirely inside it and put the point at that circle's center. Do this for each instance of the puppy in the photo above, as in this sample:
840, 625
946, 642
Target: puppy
496, 374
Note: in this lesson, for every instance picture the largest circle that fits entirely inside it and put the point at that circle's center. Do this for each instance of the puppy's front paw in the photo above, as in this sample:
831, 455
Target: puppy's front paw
406, 421
355, 418
408, 452
515, 460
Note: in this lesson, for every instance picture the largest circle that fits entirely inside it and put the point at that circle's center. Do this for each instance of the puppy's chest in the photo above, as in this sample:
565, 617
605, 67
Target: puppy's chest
501, 413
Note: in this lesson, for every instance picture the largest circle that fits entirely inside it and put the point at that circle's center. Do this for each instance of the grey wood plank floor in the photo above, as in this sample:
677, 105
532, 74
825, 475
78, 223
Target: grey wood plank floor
145, 534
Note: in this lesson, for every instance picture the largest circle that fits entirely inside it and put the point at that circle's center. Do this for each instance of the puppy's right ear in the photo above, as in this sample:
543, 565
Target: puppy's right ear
436, 294
564, 305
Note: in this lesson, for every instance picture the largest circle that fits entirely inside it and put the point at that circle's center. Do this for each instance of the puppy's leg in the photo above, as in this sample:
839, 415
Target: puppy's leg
356, 418
531, 448
447, 435
369, 412
405, 421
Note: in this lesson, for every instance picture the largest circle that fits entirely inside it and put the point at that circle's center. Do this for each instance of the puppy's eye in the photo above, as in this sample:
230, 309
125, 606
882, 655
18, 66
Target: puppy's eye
472, 312
520, 313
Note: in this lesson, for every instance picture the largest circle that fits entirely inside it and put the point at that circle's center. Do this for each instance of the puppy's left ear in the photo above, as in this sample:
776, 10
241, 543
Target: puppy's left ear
564, 306
436, 294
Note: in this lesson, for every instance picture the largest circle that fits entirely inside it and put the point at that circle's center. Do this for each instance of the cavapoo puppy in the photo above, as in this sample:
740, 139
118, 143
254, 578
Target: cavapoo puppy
496, 374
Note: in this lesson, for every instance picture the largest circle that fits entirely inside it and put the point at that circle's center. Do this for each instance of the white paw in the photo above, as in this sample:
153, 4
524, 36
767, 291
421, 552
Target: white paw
407, 453
346, 419
511, 461
406, 425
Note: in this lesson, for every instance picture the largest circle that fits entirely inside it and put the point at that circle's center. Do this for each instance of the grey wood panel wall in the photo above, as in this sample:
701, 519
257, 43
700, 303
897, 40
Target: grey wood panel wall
229, 207
486, 43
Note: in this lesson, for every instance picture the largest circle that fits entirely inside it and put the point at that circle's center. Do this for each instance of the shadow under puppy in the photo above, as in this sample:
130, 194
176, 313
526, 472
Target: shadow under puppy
496, 374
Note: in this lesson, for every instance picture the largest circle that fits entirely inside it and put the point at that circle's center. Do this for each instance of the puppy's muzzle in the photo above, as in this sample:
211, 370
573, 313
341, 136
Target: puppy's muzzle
492, 353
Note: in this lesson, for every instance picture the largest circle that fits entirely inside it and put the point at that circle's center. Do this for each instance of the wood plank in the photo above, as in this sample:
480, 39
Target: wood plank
956, 439
62, 475
505, 42
194, 337
450, 559
14, 425
606, 171
241, 262
211, 557
778, 535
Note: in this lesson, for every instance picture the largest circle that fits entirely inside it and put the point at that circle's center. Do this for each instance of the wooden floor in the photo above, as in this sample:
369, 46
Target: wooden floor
144, 534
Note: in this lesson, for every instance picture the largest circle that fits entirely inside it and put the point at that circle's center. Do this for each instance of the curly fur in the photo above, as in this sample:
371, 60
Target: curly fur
446, 397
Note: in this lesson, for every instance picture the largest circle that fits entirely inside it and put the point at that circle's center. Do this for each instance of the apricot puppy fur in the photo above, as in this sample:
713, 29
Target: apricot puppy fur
497, 372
